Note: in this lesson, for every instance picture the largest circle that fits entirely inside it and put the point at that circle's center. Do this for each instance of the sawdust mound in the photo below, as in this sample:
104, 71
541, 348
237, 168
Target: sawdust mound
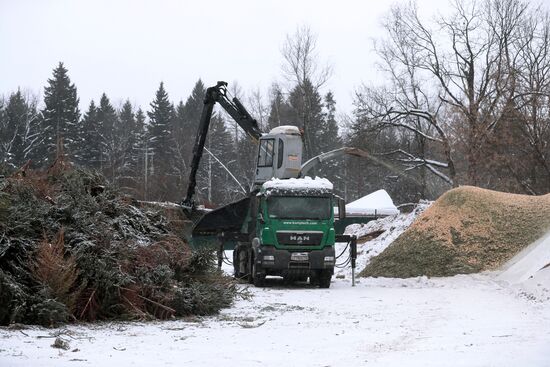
467, 230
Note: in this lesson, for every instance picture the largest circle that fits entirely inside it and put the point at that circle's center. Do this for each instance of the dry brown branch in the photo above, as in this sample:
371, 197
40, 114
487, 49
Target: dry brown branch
56, 270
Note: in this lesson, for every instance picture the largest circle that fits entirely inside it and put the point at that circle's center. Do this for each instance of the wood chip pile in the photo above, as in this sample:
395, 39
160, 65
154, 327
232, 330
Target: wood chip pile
467, 230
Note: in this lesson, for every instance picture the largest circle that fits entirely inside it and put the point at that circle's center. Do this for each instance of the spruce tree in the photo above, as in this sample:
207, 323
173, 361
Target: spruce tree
60, 116
281, 112
221, 187
184, 128
91, 143
307, 107
20, 132
329, 139
5, 133
108, 122
160, 119
329, 134
139, 150
126, 134
188, 117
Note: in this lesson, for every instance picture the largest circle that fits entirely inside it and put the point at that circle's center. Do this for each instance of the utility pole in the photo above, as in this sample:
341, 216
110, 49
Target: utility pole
146, 155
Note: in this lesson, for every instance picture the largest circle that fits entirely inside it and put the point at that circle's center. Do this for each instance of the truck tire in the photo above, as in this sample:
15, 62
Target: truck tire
236, 273
258, 276
314, 279
324, 279
250, 267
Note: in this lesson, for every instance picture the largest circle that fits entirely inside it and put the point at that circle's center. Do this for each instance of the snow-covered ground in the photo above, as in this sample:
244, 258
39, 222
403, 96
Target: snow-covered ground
391, 227
489, 319
459, 321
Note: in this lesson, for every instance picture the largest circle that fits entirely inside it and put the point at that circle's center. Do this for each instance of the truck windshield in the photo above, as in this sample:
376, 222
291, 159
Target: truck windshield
292, 207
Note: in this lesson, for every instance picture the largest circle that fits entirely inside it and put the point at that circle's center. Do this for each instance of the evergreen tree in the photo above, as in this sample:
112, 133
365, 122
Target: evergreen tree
60, 115
188, 117
19, 131
329, 138
181, 137
108, 123
91, 142
5, 132
160, 120
139, 151
307, 107
221, 187
126, 133
281, 113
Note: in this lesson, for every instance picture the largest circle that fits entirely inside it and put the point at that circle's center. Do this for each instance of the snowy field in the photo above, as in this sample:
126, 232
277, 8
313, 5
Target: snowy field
490, 319
458, 321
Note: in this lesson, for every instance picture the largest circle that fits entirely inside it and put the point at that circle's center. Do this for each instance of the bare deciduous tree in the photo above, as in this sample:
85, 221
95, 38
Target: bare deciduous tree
301, 67
451, 81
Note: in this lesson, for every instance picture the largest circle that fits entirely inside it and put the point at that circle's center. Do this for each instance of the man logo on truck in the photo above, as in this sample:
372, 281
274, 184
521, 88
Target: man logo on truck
299, 239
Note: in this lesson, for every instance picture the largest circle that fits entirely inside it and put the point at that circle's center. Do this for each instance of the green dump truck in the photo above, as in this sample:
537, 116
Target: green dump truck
291, 226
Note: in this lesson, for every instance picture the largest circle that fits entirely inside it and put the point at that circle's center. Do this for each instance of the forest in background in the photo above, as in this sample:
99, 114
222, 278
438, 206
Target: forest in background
465, 102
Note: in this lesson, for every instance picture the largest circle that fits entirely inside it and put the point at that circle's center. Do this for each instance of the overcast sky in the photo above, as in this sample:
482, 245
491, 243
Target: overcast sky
125, 48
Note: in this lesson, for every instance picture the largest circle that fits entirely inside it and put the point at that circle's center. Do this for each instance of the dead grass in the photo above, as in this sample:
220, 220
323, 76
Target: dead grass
466, 230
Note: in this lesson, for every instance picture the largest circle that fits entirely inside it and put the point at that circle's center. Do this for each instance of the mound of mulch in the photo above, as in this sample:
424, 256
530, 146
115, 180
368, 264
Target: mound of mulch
73, 248
467, 230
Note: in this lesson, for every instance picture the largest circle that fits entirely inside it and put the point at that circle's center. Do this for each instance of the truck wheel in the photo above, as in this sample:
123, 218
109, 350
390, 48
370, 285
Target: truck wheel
314, 279
236, 273
250, 267
258, 276
324, 279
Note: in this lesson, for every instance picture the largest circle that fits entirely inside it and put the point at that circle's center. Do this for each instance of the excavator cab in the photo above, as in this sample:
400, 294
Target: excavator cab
279, 154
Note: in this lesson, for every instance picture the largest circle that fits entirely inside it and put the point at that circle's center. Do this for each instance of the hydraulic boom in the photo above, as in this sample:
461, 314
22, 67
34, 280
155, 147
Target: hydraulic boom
236, 110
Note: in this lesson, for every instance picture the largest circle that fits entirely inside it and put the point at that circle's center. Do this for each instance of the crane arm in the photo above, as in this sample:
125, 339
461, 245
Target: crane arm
236, 110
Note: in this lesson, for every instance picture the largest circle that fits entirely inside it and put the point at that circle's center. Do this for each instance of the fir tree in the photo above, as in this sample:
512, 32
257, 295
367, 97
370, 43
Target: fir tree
329, 139
160, 119
281, 112
139, 139
188, 117
5, 132
91, 142
20, 131
108, 122
220, 186
329, 135
60, 115
307, 107
126, 134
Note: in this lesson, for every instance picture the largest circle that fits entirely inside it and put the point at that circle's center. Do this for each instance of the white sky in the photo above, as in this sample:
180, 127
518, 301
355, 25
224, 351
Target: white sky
125, 48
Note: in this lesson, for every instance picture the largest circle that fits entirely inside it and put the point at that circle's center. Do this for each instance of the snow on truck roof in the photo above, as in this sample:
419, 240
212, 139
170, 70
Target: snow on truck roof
306, 183
285, 129
376, 203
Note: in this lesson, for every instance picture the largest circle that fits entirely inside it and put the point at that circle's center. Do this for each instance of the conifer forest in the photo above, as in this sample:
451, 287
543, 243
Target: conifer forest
466, 106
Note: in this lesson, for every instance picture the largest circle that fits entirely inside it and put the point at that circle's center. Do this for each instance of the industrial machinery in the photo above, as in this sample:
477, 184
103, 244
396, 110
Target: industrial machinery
285, 225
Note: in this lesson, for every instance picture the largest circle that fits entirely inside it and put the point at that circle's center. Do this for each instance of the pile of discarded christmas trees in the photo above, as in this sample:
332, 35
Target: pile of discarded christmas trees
73, 248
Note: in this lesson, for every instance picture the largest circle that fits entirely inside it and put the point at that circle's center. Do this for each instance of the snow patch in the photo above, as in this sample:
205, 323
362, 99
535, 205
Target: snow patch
529, 271
391, 227
286, 130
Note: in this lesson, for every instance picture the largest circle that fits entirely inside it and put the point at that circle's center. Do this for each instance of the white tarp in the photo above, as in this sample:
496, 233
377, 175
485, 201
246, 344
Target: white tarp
529, 262
376, 203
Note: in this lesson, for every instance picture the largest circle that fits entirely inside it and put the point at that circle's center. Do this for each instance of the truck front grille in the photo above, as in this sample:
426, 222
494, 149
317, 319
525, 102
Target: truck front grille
300, 238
